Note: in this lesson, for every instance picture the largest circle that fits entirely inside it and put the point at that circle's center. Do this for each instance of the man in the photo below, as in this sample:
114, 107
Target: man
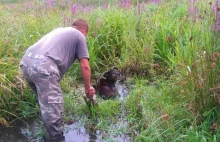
44, 64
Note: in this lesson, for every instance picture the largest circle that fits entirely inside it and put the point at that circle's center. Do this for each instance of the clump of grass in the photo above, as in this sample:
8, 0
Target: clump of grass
154, 115
172, 39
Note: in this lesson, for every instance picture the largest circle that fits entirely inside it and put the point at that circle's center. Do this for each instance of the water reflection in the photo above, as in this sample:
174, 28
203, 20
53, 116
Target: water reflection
76, 132
14, 132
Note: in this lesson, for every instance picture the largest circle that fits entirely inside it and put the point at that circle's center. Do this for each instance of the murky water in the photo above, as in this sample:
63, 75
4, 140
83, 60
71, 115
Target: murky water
12, 134
76, 132
122, 90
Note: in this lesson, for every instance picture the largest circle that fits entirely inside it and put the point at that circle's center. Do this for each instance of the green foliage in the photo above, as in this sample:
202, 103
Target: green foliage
121, 45
151, 40
104, 112
96, 2
154, 115
11, 1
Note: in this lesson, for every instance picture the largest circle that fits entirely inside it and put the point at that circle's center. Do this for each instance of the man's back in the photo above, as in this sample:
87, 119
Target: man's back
63, 45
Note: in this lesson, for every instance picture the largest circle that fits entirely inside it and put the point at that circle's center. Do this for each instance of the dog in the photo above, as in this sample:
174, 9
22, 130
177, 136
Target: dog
105, 86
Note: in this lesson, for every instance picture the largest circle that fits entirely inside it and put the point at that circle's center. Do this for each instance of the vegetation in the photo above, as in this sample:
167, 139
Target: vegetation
169, 51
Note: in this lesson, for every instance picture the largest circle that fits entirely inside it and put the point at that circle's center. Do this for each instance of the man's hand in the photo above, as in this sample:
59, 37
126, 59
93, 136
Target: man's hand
86, 73
90, 92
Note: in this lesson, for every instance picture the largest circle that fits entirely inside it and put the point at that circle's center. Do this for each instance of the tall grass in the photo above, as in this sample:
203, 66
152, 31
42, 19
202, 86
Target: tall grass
171, 50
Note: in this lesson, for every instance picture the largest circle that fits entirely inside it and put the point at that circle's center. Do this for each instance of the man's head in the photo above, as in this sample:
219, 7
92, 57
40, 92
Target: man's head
81, 25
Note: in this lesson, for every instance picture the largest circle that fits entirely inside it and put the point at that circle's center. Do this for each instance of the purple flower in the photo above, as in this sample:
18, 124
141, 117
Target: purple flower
217, 22
119, 3
192, 10
139, 9
193, 1
105, 6
29, 5
50, 3
12, 6
73, 9
124, 3
215, 7
88, 8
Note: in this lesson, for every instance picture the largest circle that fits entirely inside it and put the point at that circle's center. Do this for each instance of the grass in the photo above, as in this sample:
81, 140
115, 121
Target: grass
169, 52
11, 1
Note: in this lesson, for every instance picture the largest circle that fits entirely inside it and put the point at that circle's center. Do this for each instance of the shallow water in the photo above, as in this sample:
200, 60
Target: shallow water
12, 134
76, 132
122, 90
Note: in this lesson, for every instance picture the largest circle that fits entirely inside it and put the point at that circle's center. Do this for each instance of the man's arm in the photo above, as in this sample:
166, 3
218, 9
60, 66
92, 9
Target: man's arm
86, 74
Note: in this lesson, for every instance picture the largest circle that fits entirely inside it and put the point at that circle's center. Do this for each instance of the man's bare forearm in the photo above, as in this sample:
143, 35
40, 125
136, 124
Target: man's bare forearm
86, 72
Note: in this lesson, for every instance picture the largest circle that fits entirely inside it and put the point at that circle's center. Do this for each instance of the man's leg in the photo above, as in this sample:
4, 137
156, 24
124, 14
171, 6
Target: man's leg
51, 104
43, 77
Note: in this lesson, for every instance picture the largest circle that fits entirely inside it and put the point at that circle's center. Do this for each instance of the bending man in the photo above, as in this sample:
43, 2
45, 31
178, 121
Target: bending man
45, 63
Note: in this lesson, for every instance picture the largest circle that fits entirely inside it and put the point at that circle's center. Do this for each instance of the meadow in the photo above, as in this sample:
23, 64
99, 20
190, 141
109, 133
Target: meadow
168, 49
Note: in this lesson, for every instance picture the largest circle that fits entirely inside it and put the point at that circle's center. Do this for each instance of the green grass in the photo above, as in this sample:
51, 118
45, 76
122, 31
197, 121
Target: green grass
170, 56
11, 1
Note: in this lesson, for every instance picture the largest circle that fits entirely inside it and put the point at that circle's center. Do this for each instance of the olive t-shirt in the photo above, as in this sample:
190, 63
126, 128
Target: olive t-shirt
64, 45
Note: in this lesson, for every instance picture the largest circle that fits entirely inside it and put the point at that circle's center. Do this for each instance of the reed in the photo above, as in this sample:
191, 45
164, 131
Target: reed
169, 49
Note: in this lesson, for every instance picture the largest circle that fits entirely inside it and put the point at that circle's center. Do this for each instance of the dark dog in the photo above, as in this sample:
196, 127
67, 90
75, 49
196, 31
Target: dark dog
105, 86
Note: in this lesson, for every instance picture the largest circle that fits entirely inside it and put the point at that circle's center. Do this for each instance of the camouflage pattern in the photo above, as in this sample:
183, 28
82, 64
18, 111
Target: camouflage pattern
43, 77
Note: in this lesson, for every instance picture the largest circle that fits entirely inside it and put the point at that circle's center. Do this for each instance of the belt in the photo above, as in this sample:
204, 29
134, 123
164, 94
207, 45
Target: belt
35, 56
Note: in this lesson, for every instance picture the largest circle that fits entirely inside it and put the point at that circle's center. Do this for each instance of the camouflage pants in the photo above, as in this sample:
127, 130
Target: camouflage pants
43, 77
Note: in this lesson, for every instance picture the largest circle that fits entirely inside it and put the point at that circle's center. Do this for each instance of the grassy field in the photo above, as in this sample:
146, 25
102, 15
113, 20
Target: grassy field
169, 51
11, 1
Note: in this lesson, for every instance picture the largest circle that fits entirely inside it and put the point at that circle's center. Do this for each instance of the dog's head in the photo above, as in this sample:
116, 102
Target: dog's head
112, 75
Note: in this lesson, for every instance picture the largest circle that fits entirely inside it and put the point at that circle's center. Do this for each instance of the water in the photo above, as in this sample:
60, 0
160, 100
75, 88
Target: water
77, 133
122, 90
12, 134
73, 133
31, 130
